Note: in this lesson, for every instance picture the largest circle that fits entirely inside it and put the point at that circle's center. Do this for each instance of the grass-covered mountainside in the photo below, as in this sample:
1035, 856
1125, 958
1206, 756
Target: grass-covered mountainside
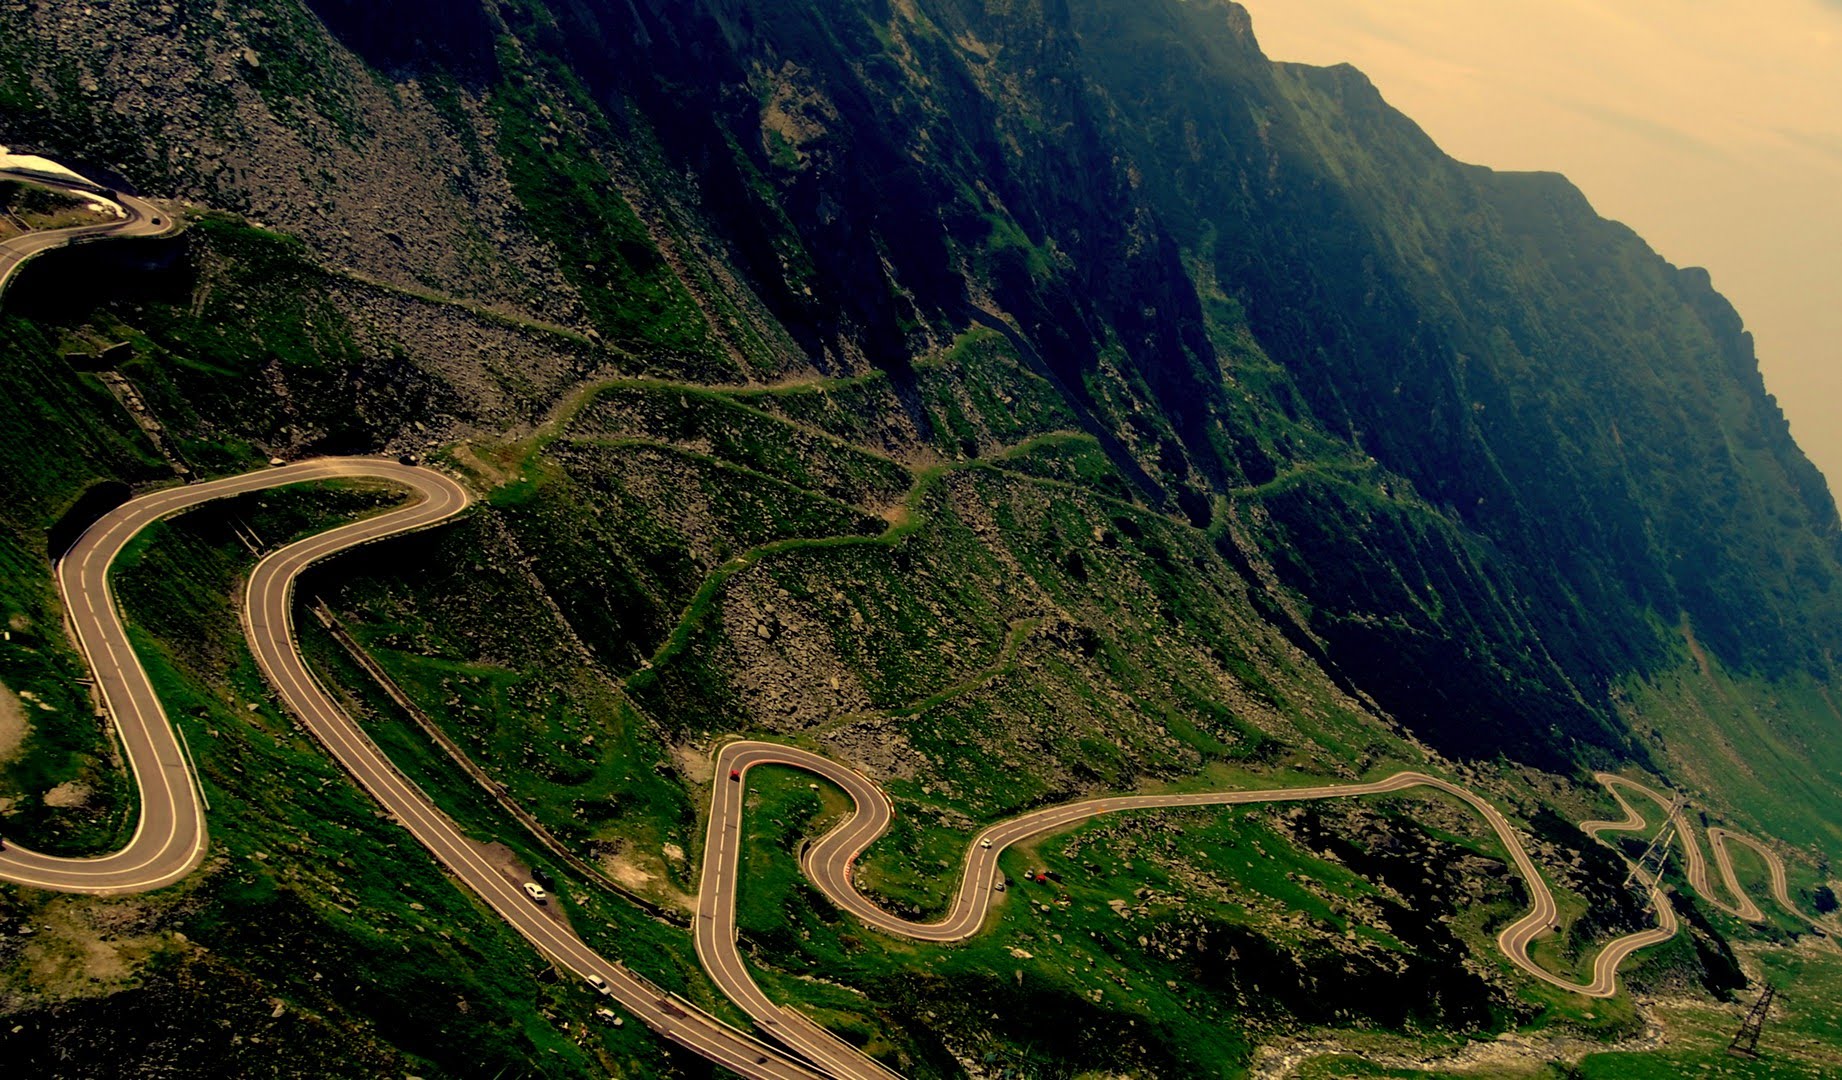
1016, 400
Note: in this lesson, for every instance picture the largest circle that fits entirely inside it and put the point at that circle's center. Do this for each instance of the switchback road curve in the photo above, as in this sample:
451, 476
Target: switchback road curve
142, 219
827, 863
170, 838
1742, 906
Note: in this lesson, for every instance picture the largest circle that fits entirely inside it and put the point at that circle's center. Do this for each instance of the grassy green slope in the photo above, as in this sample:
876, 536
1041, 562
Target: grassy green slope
1244, 461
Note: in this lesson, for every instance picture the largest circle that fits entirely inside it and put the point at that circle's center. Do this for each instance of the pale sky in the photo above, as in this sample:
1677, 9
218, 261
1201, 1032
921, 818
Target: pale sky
1712, 127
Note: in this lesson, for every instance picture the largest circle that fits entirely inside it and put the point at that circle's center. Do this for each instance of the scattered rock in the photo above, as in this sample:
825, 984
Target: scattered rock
69, 795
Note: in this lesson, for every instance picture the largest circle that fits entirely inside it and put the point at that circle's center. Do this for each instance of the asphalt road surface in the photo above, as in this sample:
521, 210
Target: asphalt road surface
827, 863
716, 908
144, 219
1742, 906
170, 834
169, 840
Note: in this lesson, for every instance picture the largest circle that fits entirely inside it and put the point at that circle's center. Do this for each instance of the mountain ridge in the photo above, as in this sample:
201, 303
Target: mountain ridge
1020, 400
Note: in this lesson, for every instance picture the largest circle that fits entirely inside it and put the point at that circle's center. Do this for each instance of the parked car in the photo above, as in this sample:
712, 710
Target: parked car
535, 891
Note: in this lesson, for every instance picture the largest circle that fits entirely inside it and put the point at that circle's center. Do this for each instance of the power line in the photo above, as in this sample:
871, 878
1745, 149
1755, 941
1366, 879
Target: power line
1659, 847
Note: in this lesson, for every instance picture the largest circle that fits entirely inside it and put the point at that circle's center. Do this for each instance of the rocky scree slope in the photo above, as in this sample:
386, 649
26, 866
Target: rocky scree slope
1086, 398
1164, 215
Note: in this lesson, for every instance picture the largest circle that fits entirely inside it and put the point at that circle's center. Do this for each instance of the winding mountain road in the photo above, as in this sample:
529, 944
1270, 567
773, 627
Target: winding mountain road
827, 863
715, 925
1742, 906
170, 839
170, 835
142, 218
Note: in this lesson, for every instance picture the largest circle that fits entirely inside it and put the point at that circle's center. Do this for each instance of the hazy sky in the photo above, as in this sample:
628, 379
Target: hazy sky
1712, 127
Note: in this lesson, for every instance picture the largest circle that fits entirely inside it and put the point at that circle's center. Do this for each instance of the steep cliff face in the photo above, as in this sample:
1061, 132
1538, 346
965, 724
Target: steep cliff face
1496, 450
1150, 200
1019, 397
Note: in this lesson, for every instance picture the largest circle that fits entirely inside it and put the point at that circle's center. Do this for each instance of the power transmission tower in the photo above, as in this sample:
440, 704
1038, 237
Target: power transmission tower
1746, 1041
1659, 848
